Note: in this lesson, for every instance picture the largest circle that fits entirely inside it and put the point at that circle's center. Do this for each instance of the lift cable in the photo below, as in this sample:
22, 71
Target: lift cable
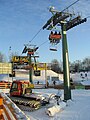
88, 16
43, 43
35, 35
70, 5
62, 11
42, 27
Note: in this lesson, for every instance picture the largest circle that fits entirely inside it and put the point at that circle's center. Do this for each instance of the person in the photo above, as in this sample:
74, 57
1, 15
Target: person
58, 97
71, 81
54, 82
85, 74
37, 82
47, 84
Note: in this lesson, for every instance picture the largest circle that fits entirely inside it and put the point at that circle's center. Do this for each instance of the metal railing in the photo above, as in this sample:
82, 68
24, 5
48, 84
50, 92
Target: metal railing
5, 85
9, 111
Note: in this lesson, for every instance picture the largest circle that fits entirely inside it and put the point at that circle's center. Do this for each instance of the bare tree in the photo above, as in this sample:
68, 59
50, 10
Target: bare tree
2, 57
11, 55
78, 66
55, 66
86, 63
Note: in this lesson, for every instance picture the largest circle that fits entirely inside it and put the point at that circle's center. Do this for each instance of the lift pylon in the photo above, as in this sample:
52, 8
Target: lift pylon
30, 50
64, 20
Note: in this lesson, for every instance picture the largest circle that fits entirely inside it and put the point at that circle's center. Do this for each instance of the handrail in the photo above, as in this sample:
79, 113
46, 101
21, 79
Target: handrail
8, 109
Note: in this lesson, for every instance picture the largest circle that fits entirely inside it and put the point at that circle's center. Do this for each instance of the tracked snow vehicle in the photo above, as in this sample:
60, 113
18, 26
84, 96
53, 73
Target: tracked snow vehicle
21, 93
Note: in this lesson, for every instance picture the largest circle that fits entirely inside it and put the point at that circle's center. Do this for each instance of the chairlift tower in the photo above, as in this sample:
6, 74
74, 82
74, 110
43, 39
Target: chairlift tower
66, 73
60, 18
30, 49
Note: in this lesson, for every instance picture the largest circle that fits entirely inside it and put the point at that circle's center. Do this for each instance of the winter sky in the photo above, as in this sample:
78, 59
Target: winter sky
20, 20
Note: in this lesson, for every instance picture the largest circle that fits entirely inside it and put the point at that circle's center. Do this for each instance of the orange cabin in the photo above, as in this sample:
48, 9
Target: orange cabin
17, 88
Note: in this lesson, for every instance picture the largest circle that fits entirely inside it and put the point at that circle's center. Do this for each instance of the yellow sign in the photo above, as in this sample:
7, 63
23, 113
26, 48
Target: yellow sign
38, 66
5, 68
31, 86
20, 59
41, 66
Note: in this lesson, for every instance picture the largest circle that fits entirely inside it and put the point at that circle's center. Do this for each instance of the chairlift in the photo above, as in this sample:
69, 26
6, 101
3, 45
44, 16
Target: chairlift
53, 47
55, 37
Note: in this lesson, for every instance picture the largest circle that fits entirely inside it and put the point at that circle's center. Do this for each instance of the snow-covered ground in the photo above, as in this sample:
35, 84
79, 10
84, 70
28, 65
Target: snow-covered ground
86, 82
76, 109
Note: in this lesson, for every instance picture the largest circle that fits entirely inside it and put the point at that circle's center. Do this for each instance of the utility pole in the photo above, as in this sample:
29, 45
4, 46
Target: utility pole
60, 19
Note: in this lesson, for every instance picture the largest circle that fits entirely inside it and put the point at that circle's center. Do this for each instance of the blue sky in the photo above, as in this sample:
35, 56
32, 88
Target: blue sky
20, 20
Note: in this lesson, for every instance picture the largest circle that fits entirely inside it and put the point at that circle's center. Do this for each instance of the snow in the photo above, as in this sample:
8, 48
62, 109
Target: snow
55, 109
76, 109
4, 90
77, 77
23, 74
86, 82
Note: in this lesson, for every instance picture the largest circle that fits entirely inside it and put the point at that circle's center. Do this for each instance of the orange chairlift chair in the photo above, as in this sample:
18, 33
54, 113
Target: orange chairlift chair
54, 39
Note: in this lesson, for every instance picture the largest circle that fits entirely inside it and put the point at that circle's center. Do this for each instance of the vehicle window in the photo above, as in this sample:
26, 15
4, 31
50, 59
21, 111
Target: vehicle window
14, 85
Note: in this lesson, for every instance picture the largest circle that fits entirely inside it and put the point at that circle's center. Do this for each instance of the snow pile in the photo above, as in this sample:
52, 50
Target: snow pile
86, 82
76, 109
77, 77
55, 109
